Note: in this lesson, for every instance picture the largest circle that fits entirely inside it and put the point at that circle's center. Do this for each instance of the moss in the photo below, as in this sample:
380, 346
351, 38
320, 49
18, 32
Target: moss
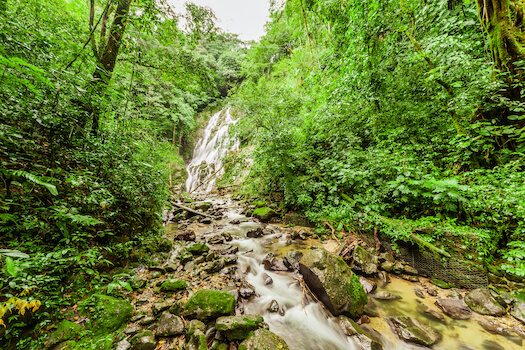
208, 303
264, 213
106, 314
198, 248
238, 327
259, 204
66, 330
172, 285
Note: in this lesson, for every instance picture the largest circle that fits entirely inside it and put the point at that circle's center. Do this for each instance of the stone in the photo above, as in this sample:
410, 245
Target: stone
107, 315
138, 283
440, 283
123, 345
455, 308
333, 282
491, 345
239, 327
419, 293
272, 263
365, 261
171, 267
267, 279
209, 304
197, 341
371, 309
264, 214
198, 249
195, 325
214, 266
246, 290
132, 329
383, 277
410, 278
493, 326
352, 329
160, 306
411, 330
66, 330
144, 341
409, 270
146, 321
291, 260
385, 295
455, 294
263, 339
185, 235
518, 311
203, 206
368, 285
172, 285
482, 302
274, 306
431, 313
387, 266
255, 233
170, 325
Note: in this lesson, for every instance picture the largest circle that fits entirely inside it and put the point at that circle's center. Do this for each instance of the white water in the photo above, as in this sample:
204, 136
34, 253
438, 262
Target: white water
206, 165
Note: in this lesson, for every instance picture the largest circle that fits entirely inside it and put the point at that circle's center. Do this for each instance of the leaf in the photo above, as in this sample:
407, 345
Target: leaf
11, 267
14, 253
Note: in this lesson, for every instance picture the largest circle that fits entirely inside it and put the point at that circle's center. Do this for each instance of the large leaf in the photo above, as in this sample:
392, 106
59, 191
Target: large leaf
14, 253
10, 266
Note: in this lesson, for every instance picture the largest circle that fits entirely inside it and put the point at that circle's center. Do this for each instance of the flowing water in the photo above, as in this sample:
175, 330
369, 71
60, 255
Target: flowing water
301, 321
206, 165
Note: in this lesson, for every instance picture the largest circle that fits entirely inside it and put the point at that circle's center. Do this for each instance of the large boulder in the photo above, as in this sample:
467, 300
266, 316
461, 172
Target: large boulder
209, 304
518, 311
365, 261
411, 330
239, 327
106, 314
333, 282
170, 325
455, 308
263, 339
482, 302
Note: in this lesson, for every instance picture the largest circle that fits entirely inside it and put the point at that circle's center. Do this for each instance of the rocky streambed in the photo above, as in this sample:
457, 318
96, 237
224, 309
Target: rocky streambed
232, 281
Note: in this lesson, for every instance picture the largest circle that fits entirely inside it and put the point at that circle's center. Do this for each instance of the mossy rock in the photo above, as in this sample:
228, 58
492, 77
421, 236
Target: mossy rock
172, 285
103, 342
198, 248
144, 341
259, 204
107, 314
441, 284
333, 282
264, 214
209, 304
263, 339
239, 327
66, 330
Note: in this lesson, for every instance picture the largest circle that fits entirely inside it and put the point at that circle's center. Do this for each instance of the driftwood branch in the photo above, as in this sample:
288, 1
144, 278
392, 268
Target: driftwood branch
191, 210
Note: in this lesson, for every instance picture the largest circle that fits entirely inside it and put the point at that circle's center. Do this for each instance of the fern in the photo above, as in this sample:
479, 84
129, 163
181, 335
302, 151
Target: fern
39, 180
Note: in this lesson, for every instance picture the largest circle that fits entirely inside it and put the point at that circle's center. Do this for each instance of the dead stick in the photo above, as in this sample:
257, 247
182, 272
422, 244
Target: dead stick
208, 179
192, 210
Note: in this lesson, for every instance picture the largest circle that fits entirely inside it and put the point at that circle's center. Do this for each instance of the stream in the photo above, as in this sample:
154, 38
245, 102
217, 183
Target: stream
296, 316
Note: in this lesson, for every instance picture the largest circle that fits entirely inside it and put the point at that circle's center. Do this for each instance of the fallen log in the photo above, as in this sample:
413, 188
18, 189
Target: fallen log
196, 212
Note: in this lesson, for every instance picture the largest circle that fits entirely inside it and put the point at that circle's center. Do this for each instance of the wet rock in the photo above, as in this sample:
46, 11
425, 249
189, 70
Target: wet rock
432, 292
387, 266
493, 326
239, 327
398, 267
409, 270
272, 263
263, 339
518, 311
230, 259
160, 306
172, 285
235, 222
419, 293
171, 267
482, 302
267, 279
170, 325
229, 271
365, 261
186, 235
410, 278
198, 249
439, 283
66, 330
291, 260
383, 277
185, 257
274, 306
385, 295
146, 321
264, 214
333, 282
144, 341
368, 285
203, 206
225, 249
454, 308
255, 233
431, 313
371, 309
206, 221
455, 294
520, 332
211, 256
207, 304
411, 330
132, 329
491, 345
214, 266
246, 290
363, 320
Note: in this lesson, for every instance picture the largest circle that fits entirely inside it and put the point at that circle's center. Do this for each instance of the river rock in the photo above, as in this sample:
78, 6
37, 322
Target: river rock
352, 329
409, 270
518, 311
170, 325
383, 277
365, 261
263, 339
202, 206
239, 327
172, 285
291, 260
333, 282
264, 214
368, 285
419, 293
246, 290
146, 321
267, 279
198, 248
274, 306
482, 302
161, 305
186, 235
255, 233
455, 308
272, 263
493, 326
431, 313
384, 295
371, 309
411, 330
214, 266
491, 345
208, 304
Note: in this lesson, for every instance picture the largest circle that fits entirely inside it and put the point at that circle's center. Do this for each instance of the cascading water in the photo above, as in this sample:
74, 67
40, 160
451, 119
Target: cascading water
206, 165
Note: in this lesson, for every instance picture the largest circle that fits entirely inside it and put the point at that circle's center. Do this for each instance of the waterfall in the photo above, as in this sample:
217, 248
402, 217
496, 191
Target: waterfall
206, 165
